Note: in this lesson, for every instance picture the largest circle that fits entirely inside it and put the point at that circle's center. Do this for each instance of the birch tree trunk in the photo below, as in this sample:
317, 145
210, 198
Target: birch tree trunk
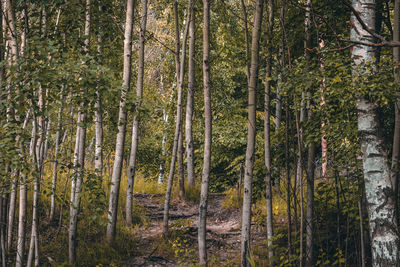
98, 150
136, 118
189, 102
267, 143
181, 172
56, 152
79, 155
246, 39
309, 223
396, 134
202, 231
288, 199
180, 63
310, 199
119, 147
377, 179
249, 163
12, 33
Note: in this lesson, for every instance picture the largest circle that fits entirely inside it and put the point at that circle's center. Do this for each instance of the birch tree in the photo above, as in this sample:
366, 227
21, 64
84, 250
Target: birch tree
122, 117
378, 186
267, 143
251, 133
179, 65
189, 101
135, 124
79, 154
202, 231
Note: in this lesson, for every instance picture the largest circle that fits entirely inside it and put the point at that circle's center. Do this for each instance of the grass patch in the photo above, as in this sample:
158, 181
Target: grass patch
231, 200
192, 194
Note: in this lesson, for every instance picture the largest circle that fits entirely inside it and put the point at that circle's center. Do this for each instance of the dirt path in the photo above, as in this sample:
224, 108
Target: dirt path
223, 233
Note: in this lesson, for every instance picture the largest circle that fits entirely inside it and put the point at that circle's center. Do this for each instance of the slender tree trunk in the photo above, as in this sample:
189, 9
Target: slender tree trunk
163, 142
23, 201
311, 155
288, 200
13, 42
251, 134
11, 209
98, 151
180, 63
377, 179
189, 102
181, 172
56, 151
246, 39
267, 143
79, 155
207, 136
310, 200
396, 135
3, 228
119, 147
136, 118
324, 142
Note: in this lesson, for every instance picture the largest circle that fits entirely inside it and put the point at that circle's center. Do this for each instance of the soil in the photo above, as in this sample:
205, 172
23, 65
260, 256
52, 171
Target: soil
223, 233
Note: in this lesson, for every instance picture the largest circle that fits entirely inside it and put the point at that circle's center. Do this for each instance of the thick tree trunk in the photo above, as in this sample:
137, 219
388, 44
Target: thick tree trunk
207, 136
251, 134
267, 143
189, 102
180, 64
136, 118
377, 178
119, 147
79, 156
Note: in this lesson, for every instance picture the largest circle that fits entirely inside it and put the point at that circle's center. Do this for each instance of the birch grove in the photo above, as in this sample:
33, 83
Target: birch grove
277, 123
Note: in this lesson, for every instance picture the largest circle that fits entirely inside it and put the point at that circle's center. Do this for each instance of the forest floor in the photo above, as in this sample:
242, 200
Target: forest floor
180, 249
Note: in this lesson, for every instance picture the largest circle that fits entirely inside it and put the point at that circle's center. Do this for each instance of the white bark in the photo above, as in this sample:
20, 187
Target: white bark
119, 147
251, 134
267, 144
189, 103
98, 150
163, 149
180, 63
378, 187
79, 157
136, 118
202, 231
55, 163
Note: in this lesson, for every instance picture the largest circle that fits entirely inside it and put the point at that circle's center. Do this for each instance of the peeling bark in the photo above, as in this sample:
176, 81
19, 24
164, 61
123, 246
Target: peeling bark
378, 186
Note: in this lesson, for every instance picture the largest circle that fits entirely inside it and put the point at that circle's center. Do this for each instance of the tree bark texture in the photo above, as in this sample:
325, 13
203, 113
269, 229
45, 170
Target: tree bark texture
189, 102
267, 143
79, 156
180, 64
377, 178
122, 117
249, 163
136, 118
202, 232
